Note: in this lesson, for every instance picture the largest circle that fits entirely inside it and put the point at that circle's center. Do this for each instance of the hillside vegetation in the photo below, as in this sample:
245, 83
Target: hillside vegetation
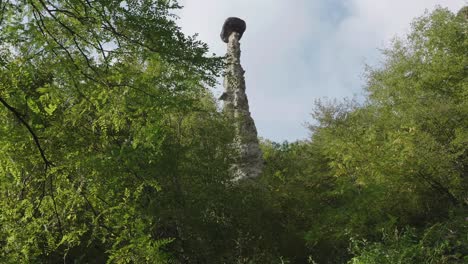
112, 149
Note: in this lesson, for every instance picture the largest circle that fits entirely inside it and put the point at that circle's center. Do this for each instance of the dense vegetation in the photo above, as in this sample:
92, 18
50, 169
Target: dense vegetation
112, 149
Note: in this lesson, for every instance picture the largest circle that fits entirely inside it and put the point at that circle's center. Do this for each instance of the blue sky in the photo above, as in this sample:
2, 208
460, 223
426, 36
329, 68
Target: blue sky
297, 51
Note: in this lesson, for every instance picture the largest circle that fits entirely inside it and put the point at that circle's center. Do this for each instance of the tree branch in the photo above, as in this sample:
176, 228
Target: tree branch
31, 131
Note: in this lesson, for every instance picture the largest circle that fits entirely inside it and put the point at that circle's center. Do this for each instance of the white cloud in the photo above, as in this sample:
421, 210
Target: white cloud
297, 51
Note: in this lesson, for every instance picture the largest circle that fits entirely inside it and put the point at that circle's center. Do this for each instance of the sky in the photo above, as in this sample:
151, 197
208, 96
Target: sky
298, 51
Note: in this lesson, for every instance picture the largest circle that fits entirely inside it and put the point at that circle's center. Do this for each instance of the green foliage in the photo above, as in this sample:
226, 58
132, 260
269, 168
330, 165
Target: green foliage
440, 243
396, 161
113, 151
95, 98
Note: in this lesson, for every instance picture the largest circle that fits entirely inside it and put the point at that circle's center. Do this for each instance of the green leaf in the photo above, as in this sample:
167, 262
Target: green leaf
33, 105
50, 108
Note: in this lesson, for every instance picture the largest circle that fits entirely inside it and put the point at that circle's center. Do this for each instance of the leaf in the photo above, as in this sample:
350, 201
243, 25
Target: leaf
33, 105
42, 90
50, 108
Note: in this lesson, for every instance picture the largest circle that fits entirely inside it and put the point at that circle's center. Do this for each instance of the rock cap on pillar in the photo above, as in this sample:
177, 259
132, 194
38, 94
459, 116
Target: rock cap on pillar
233, 24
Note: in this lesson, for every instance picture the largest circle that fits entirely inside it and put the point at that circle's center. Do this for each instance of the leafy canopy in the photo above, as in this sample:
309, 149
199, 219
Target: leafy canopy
95, 97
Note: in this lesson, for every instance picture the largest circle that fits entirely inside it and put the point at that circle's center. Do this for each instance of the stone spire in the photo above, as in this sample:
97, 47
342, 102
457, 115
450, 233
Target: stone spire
249, 163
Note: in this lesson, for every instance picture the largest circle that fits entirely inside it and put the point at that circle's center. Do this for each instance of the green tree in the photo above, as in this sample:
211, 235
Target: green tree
103, 105
395, 162
440, 243
403, 152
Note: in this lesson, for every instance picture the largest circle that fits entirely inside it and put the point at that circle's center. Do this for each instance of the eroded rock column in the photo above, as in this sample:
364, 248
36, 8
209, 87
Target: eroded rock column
249, 162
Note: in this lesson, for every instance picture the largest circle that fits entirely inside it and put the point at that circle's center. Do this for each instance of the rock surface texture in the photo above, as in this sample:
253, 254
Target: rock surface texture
249, 162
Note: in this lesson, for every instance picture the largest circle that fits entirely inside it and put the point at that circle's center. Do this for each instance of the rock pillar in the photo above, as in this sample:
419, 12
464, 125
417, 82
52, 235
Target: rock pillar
249, 162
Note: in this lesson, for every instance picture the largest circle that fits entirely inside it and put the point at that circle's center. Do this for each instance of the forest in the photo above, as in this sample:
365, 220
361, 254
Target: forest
113, 148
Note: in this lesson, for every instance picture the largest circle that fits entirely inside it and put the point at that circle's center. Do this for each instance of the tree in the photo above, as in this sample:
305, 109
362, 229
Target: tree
395, 162
404, 150
112, 149
95, 97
